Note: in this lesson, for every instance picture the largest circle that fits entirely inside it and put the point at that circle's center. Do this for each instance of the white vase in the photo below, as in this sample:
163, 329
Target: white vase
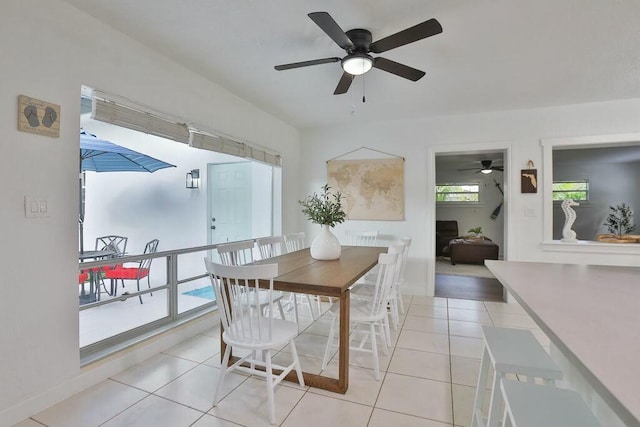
325, 246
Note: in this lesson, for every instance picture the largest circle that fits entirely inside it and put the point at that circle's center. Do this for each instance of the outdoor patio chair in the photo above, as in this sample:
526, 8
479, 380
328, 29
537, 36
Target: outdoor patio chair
82, 279
247, 329
117, 244
136, 273
241, 253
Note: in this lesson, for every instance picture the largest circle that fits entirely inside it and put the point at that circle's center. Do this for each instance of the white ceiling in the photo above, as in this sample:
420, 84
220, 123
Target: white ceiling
492, 54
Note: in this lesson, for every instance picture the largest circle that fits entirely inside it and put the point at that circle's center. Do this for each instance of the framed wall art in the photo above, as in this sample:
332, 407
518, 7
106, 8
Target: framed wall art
37, 116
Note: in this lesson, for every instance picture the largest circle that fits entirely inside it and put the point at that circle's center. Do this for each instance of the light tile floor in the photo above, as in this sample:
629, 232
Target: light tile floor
428, 379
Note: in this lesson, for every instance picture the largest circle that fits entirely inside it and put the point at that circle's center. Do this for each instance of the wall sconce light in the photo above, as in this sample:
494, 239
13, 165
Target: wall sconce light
193, 178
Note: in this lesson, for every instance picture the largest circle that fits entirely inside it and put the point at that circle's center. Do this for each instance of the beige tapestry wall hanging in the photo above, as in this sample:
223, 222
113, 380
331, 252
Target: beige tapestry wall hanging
373, 189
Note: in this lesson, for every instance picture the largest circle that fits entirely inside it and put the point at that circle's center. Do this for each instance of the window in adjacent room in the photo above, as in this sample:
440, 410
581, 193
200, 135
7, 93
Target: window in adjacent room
576, 190
457, 193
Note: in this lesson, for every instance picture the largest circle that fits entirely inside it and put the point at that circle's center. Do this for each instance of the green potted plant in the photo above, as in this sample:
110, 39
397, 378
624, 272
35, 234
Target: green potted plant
619, 221
324, 209
475, 231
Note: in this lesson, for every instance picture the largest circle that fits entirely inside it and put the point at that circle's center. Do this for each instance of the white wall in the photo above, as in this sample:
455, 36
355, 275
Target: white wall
522, 130
47, 51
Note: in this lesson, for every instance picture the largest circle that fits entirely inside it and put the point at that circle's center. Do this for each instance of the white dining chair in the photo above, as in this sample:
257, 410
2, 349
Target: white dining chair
362, 238
271, 246
295, 241
406, 241
236, 253
241, 253
367, 314
247, 329
396, 306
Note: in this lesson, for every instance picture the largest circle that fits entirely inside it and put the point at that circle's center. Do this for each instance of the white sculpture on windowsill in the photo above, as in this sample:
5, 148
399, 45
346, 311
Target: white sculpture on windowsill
568, 235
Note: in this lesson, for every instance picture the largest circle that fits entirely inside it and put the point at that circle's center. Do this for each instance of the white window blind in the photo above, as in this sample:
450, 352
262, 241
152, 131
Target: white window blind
233, 148
119, 115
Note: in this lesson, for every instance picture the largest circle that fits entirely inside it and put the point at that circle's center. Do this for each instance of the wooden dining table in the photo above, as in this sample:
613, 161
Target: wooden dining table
298, 272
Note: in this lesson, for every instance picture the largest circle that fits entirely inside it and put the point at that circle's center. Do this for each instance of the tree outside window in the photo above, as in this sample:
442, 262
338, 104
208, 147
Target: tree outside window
575, 190
457, 193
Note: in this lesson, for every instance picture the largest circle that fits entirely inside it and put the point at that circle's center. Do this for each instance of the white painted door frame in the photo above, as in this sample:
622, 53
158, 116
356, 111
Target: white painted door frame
510, 178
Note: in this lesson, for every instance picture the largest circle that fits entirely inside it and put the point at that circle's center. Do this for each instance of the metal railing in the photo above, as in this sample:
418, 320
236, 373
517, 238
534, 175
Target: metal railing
171, 284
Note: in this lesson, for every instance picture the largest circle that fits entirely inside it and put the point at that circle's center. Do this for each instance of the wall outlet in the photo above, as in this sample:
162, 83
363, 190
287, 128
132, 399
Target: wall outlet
35, 208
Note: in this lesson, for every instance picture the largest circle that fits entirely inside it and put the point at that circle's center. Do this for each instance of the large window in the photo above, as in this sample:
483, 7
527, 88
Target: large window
576, 190
457, 193
115, 313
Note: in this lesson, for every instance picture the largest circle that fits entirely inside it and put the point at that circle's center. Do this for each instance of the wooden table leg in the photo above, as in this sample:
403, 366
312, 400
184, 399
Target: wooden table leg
343, 355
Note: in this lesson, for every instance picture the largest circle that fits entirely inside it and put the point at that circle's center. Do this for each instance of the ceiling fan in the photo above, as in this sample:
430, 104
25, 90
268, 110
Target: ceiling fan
358, 44
486, 168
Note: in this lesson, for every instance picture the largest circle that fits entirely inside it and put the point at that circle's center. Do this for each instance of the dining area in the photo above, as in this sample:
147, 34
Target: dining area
427, 375
290, 323
426, 364
272, 293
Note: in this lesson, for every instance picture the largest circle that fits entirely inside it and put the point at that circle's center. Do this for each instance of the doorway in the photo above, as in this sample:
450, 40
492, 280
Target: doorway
470, 201
240, 202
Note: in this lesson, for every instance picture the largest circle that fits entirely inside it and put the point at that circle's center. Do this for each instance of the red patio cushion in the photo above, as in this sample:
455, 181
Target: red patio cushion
127, 273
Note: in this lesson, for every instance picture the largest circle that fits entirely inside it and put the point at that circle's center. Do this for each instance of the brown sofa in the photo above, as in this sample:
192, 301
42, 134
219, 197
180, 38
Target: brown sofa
472, 250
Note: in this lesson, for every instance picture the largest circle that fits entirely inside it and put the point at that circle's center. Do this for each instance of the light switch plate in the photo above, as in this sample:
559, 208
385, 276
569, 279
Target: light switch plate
35, 207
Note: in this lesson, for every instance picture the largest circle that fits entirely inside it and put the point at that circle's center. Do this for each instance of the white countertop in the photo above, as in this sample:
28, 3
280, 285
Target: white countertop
592, 314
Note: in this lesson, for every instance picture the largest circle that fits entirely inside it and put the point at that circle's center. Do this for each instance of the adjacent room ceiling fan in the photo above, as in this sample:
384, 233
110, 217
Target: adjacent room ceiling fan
358, 44
486, 168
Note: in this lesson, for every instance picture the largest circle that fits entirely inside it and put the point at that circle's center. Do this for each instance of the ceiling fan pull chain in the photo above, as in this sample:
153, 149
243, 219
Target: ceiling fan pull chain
363, 98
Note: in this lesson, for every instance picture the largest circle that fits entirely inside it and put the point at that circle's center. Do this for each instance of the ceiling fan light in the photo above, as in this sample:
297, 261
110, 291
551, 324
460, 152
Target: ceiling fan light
486, 171
357, 64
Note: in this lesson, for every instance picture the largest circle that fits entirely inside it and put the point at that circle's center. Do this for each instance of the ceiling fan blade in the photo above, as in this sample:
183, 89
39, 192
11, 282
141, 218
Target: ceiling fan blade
343, 84
417, 32
498, 168
470, 169
333, 30
306, 63
398, 69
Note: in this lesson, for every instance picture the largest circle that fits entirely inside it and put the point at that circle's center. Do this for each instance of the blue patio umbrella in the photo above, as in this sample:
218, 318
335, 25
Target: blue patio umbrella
99, 155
